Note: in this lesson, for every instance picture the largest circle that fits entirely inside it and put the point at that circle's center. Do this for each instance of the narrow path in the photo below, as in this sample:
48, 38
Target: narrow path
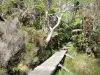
50, 65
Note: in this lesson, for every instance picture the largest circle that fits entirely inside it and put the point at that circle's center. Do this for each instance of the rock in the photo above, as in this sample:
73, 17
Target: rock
11, 40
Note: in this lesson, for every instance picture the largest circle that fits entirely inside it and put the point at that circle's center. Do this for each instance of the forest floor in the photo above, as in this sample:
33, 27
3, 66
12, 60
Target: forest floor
80, 65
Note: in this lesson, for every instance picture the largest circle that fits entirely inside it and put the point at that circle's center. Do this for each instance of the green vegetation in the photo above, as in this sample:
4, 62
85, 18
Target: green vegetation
80, 42
47, 25
80, 65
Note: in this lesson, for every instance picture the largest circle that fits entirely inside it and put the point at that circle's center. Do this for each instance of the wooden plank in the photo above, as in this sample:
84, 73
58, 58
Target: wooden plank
65, 69
49, 66
69, 56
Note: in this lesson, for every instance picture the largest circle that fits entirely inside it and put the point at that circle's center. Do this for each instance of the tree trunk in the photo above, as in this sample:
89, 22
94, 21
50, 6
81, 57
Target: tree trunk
49, 37
52, 30
45, 26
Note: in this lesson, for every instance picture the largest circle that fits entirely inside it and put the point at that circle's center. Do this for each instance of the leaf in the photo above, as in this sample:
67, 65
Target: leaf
78, 21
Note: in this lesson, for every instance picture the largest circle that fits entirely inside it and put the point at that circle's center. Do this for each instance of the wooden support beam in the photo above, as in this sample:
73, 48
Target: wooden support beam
65, 69
69, 56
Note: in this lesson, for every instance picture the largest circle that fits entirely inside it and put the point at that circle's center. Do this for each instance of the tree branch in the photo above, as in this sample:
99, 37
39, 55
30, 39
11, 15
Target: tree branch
59, 19
52, 30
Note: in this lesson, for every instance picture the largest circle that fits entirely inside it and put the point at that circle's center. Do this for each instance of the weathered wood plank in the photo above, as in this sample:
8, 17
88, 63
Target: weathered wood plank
49, 66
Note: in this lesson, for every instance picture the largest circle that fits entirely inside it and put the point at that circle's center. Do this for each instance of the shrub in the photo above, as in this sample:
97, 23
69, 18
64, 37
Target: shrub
80, 41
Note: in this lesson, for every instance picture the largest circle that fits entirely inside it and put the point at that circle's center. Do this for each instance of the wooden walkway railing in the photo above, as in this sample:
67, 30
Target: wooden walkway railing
50, 65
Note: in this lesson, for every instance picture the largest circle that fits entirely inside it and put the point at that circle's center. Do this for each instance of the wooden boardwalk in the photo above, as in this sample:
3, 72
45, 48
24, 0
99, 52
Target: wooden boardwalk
50, 65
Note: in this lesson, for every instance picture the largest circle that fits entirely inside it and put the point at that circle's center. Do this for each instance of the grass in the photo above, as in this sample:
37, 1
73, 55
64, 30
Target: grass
80, 65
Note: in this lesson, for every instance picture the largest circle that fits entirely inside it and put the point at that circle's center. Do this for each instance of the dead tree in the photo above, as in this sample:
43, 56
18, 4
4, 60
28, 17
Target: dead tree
52, 30
45, 26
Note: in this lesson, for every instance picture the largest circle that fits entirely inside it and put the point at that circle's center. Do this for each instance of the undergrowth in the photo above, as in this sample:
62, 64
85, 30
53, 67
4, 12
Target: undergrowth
80, 65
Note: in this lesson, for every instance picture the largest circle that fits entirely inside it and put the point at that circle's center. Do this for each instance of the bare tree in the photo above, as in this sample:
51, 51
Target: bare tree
47, 22
52, 30
45, 26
